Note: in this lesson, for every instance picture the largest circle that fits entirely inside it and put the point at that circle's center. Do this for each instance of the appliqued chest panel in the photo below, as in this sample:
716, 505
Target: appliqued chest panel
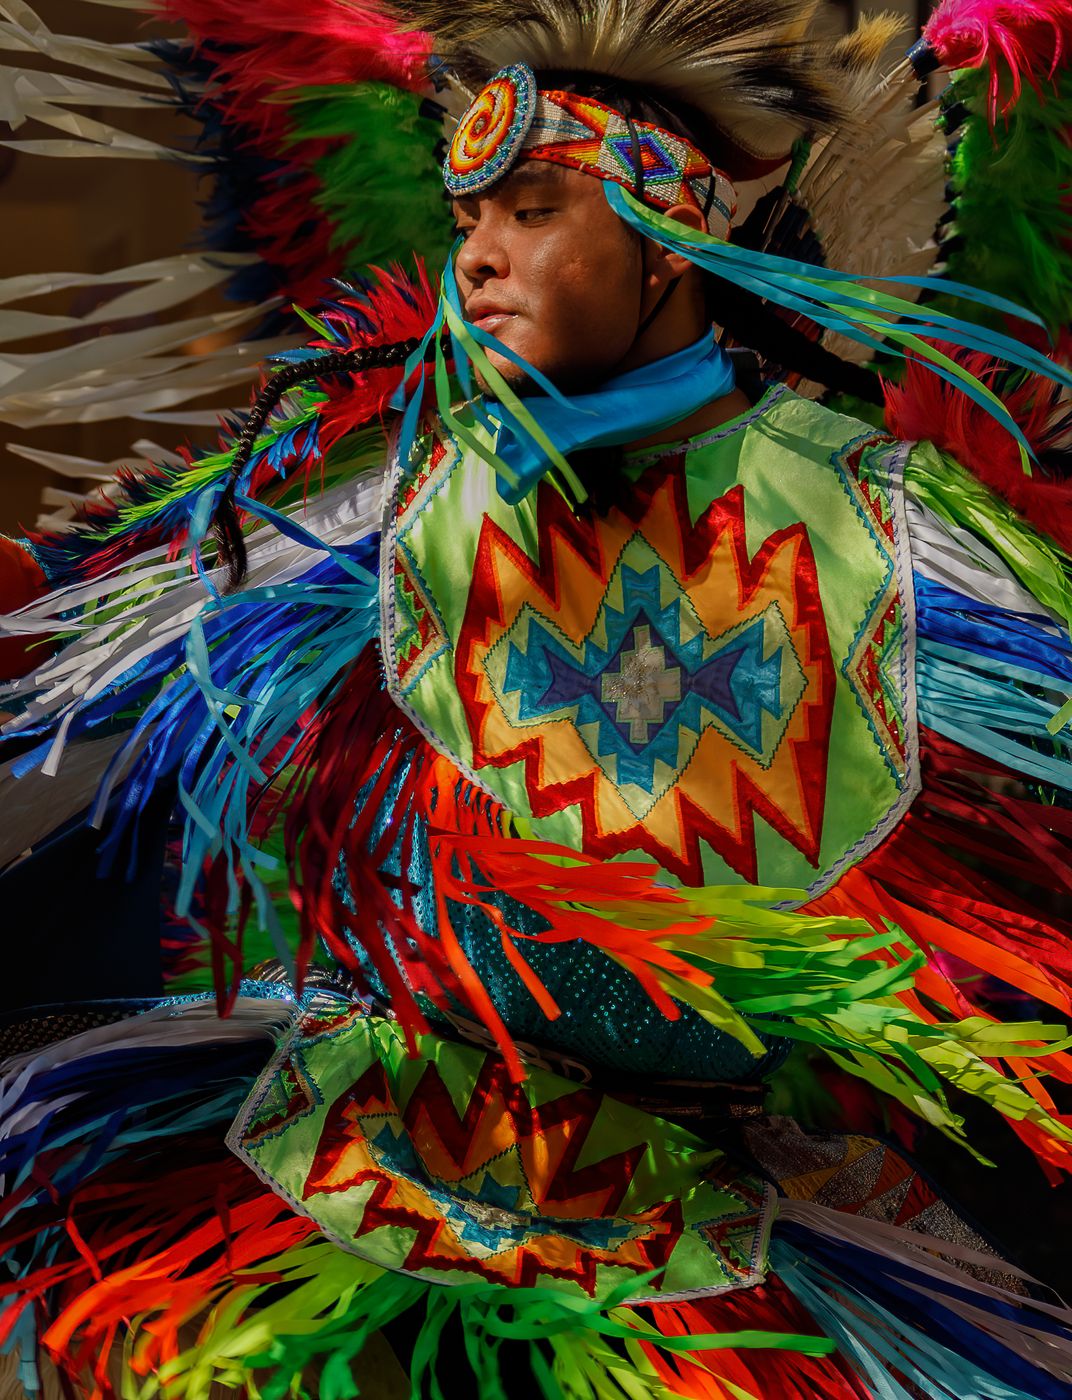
716, 673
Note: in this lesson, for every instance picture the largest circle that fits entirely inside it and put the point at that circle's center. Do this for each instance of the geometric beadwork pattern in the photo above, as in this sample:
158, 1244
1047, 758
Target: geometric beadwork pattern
508, 119
423, 639
489, 137
577, 131
288, 1096
443, 1167
873, 666
676, 716
420, 637
681, 676
859, 1175
648, 680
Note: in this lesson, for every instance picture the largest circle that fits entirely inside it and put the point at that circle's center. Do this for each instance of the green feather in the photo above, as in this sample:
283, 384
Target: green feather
1012, 229
297, 1323
381, 185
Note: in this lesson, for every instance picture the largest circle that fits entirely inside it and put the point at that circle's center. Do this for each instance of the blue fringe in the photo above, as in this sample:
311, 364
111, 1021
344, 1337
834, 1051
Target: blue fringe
992, 680
126, 1096
884, 1319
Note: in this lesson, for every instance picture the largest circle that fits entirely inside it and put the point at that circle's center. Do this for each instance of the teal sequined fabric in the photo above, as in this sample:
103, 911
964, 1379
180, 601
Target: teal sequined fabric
607, 1021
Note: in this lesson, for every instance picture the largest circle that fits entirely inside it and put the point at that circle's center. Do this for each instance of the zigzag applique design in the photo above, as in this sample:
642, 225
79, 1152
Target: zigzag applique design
444, 1165
658, 676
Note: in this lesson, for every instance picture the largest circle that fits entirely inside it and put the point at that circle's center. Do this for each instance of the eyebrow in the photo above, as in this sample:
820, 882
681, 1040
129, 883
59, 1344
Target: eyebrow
528, 173
535, 172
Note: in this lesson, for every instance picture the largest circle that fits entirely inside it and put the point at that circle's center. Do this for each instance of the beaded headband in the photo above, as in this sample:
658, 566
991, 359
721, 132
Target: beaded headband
510, 118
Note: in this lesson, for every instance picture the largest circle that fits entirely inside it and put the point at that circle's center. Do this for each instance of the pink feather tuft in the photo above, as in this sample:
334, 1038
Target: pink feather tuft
925, 408
1018, 40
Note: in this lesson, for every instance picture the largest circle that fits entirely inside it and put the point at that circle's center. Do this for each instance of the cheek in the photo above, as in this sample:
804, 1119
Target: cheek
584, 298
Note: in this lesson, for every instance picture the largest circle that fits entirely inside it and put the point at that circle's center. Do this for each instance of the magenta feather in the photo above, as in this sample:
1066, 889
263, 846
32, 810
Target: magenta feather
1018, 40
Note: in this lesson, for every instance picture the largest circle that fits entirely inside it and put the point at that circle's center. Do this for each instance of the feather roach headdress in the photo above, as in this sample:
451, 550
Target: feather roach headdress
752, 69
768, 92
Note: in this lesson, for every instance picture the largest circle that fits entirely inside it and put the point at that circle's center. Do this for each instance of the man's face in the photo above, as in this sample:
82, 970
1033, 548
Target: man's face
550, 270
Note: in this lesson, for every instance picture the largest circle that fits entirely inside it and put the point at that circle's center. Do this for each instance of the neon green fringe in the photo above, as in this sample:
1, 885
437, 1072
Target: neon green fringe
298, 1328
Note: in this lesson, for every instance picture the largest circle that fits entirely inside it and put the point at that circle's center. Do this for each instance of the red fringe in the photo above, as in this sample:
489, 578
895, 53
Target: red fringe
770, 1307
123, 1255
362, 743
969, 922
963, 921
926, 408
974, 810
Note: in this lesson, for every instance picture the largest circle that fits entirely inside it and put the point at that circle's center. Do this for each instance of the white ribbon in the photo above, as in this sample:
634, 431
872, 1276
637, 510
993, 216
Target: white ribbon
959, 560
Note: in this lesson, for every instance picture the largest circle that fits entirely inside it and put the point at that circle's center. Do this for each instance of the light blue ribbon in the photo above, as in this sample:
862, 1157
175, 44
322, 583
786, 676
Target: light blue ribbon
628, 407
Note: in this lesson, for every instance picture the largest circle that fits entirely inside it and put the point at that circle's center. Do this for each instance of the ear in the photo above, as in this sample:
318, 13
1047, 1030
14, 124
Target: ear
670, 264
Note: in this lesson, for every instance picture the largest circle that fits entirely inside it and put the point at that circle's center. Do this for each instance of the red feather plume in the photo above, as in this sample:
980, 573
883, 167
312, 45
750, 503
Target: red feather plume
264, 51
261, 56
395, 307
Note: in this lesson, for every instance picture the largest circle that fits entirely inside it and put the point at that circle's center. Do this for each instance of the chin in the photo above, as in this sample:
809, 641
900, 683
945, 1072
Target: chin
568, 378
515, 376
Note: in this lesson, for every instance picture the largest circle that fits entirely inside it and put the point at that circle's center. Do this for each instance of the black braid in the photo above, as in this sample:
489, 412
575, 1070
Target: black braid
753, 324
226, 530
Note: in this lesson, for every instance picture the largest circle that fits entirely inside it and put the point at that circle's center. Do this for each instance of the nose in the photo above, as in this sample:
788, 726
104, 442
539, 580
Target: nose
482, 255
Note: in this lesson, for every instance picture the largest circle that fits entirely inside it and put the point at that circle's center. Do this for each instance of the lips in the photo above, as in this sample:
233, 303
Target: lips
487, 316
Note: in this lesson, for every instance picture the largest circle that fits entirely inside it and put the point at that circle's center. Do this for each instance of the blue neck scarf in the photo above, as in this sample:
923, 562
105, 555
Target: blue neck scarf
628, 407
625, 408
644, 401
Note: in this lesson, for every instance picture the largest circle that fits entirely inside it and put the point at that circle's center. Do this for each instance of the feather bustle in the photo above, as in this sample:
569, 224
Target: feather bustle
924, 408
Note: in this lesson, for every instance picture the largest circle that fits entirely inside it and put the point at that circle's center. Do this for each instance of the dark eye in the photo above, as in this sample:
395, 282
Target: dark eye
526, 216
463, 232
